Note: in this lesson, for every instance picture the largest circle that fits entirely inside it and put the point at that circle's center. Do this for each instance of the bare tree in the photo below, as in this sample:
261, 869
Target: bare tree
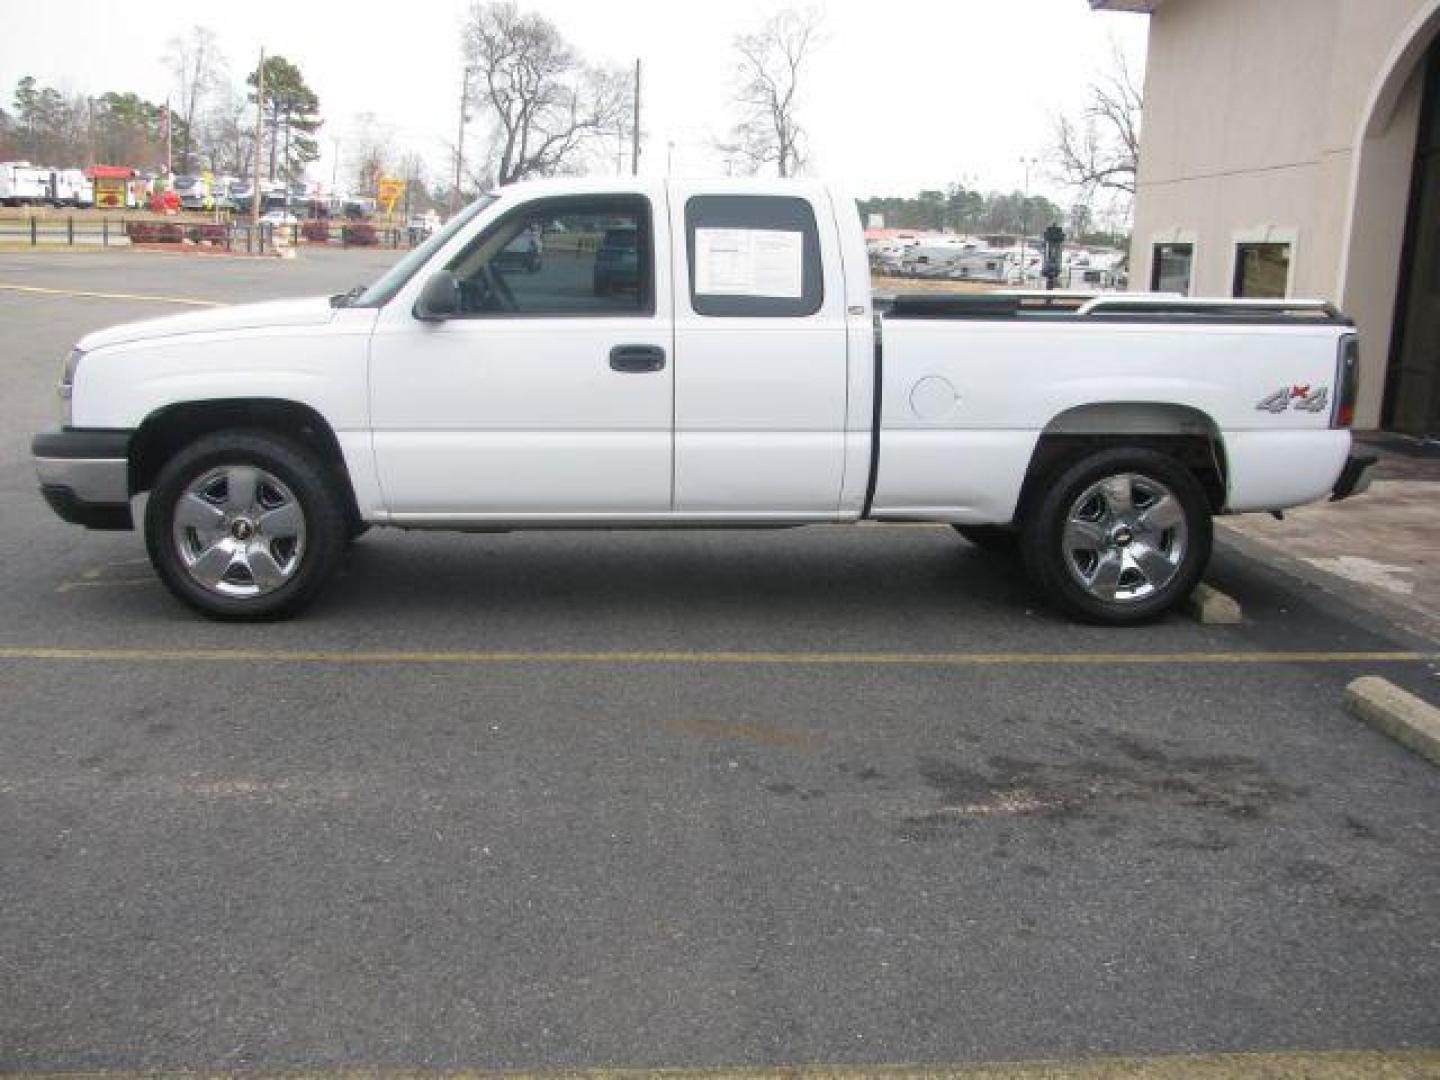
199, 68
1099, 150
412, 168
225, 132
547, 106
768, 68
370, 151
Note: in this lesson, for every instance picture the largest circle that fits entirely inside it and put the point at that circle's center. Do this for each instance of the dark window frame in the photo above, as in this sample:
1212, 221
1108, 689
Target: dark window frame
1238, 278
727, 214
1155, 250
601, 202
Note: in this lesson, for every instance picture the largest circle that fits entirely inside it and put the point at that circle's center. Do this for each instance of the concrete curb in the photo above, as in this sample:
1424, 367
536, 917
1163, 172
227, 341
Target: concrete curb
1375, 613
1403, 716
1210, 606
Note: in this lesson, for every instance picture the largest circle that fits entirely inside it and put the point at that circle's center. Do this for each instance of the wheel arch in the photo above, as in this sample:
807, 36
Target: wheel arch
166, 430
1180, 431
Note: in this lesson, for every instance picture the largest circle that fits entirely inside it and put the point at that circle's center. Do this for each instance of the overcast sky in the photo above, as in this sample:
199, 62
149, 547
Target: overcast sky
903, 95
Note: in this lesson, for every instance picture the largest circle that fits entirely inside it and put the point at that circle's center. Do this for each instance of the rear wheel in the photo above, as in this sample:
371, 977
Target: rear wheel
1120, 537
245, 525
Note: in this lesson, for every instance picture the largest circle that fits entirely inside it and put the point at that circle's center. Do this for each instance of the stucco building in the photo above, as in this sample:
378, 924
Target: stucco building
1292, 148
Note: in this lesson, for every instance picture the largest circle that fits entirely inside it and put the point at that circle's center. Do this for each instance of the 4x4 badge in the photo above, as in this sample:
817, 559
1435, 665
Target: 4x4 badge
1299, 397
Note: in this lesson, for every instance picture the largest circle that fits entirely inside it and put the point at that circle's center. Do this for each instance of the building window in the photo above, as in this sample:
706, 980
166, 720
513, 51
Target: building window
1170, 268
1262, 271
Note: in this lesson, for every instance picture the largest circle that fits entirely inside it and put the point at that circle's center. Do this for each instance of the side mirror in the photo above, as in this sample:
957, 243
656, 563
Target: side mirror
440, 298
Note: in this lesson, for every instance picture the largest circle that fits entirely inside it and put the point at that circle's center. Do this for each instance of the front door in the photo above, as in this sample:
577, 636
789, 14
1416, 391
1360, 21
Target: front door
550, 394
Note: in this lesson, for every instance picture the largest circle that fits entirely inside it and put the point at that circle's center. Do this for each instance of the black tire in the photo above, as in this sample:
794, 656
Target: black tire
996, 539
1057, 569
326, 526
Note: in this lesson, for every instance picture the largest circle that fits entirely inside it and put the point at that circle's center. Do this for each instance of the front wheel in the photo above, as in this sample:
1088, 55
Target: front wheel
245, 525
1120, 537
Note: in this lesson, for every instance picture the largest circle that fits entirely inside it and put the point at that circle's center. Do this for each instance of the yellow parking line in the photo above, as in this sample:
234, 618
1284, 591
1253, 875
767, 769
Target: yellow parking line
1324, 1065
735, 659
188, 300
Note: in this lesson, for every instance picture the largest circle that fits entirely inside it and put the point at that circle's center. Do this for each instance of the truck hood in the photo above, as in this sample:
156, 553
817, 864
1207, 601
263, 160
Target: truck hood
310, 311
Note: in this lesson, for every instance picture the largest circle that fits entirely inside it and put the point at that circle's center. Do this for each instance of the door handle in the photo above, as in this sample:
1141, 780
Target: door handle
637, 359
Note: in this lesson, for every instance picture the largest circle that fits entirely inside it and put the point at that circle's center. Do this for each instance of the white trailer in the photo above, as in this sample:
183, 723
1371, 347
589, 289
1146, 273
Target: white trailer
71, 187
23, 184
957, 259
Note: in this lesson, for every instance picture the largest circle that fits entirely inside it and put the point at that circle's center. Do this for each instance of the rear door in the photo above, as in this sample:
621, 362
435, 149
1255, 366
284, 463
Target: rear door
760, 353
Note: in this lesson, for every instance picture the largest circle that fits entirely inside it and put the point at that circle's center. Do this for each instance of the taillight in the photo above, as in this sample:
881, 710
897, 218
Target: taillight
1347, 382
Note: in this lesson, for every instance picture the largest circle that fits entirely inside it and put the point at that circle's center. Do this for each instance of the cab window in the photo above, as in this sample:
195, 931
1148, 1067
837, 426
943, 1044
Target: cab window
753, 255
562, 257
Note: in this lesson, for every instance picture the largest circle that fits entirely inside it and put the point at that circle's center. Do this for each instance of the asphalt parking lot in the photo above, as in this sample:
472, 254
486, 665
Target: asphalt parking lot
548, 801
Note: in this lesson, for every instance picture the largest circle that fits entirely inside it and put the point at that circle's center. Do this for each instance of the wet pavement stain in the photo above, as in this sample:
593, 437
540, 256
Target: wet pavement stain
1119, 769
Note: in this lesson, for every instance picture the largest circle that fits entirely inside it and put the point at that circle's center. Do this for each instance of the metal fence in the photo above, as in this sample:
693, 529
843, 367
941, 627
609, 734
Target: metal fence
235, 236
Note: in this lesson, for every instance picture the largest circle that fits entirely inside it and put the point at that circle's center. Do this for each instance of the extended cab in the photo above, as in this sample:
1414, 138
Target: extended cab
697, 354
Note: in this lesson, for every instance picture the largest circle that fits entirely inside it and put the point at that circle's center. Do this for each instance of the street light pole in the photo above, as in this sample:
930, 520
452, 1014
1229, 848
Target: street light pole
1027, 162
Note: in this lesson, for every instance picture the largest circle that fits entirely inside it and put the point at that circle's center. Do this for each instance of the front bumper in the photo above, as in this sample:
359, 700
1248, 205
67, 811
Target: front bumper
85, 476
1355, 477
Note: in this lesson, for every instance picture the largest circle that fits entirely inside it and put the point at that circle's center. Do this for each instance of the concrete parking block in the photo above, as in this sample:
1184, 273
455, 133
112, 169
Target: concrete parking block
1212, 607
1402, 716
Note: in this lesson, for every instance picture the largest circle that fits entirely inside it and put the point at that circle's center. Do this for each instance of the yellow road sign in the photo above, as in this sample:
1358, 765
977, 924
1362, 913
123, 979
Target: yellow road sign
389, 191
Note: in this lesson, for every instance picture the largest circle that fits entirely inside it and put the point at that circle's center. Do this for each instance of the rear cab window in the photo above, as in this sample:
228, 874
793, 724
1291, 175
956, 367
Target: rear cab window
753, 256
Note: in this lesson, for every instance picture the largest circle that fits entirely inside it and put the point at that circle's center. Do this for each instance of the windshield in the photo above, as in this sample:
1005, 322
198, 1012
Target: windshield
395, 278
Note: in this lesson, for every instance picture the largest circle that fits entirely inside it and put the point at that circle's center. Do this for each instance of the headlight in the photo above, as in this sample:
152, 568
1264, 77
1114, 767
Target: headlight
67, 384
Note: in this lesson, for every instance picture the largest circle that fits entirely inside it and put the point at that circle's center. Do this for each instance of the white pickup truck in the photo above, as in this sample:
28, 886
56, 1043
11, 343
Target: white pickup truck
696, 354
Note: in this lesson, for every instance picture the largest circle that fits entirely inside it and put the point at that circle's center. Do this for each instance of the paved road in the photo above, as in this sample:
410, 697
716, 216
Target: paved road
229, 847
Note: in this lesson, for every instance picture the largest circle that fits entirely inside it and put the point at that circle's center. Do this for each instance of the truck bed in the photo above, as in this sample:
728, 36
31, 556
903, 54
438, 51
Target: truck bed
1102, 307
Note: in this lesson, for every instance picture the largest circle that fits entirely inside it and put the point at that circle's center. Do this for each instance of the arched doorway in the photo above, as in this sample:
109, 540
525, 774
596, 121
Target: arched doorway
1396, 208
1412, 384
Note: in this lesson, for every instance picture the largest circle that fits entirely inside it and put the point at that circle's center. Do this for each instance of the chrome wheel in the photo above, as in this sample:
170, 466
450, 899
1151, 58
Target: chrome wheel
1125, 537
239, 531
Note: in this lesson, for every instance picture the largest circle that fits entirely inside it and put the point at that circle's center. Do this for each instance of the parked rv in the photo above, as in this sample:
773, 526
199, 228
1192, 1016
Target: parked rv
358, 206
194, 192
71, 187
957, 258
220, 197
273, 196
241, 194
23, 184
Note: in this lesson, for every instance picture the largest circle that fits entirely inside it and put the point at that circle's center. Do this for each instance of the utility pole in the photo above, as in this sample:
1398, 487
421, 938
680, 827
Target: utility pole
259, 136
460, 136
635, 129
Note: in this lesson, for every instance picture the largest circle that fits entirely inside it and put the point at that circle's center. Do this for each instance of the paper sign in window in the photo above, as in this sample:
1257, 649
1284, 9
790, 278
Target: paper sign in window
749, 262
